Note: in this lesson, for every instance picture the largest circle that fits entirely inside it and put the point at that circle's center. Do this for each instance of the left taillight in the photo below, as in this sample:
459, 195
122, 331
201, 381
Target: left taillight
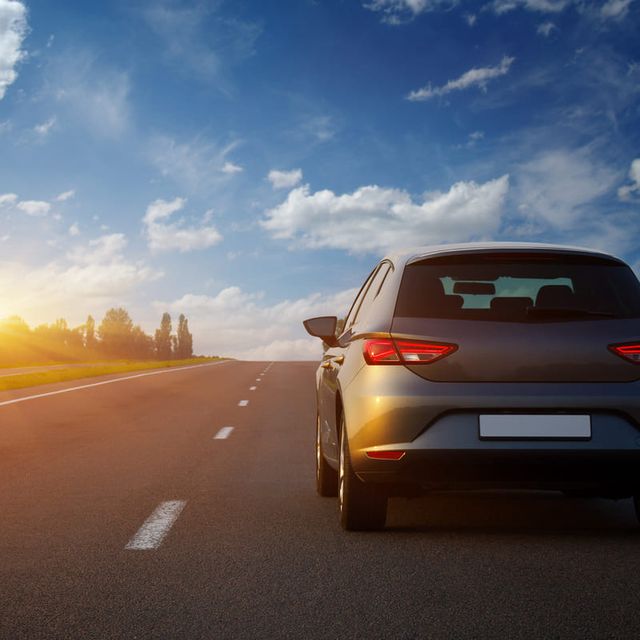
388, 351
630, 352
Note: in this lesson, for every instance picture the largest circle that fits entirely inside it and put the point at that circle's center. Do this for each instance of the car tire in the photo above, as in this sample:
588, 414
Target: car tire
326, 477
363, 507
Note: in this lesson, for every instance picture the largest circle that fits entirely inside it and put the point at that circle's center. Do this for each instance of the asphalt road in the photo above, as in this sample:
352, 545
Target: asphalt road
250, 551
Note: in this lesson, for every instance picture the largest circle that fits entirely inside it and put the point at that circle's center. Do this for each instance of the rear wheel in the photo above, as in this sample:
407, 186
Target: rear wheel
326, 477
363, 507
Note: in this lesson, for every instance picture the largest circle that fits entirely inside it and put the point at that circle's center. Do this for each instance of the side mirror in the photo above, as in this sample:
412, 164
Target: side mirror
323, 327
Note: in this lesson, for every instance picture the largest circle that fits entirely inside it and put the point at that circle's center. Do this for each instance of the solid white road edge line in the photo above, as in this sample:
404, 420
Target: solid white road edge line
157, 525
223, 434
98, 384
243, 403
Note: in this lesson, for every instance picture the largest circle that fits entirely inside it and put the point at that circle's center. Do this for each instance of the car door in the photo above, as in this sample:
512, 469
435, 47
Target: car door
334, 358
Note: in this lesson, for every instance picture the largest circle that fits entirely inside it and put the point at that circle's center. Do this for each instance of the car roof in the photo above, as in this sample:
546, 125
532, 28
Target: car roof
418, 254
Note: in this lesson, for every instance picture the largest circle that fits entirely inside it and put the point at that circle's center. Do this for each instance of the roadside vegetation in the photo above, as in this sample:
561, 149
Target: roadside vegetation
76, 372
115, 338
116, 345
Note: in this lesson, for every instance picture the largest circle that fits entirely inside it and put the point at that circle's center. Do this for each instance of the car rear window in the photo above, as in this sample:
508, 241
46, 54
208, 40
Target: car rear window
519, 289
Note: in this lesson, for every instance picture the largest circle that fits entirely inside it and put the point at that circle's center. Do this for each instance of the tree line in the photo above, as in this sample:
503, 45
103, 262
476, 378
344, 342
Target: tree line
116, 337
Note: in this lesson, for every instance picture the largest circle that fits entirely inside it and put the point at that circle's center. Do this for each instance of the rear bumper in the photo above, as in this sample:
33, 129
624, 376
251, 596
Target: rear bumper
450, 454
614, 472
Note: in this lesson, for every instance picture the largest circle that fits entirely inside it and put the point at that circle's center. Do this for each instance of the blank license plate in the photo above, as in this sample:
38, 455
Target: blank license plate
509, 425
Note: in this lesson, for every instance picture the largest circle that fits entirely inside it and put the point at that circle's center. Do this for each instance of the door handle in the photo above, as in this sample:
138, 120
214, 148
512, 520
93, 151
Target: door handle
326, 365
339, 359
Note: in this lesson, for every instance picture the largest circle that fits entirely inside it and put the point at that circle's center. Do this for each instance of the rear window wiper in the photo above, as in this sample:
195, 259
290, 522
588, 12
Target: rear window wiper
567, 312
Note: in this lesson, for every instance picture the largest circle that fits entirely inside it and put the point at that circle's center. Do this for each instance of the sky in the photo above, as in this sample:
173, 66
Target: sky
248, 162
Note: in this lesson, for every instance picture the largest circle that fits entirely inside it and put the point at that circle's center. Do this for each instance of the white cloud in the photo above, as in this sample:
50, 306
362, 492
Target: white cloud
284, 179
34, 207
258, 330
198, 39
194, 165
615, 8
398, 11
65, 195
13, 30
470, 19
474, 77
556, 186
231, 168
545, 29
92, 275
94, 95
43, 128
74, 230
8, 199
627, 193
165, 236
542, 6
377, 219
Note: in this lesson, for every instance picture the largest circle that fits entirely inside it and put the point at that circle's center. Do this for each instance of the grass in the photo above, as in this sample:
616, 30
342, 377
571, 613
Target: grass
75, 372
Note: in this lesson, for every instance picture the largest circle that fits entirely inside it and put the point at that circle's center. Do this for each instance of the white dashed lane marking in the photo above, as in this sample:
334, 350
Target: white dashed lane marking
223, 434
156, 526
252, 388
243, 403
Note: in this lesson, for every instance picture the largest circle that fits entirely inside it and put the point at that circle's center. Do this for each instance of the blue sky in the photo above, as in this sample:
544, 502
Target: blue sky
248, 162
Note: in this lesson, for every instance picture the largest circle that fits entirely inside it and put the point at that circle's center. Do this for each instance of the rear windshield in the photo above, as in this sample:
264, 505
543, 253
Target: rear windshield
517, 290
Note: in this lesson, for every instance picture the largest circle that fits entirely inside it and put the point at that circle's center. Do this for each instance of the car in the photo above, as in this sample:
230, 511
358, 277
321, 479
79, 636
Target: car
481, 366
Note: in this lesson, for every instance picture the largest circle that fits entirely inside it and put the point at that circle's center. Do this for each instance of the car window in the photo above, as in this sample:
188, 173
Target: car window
356, 303
372, 290
519, 291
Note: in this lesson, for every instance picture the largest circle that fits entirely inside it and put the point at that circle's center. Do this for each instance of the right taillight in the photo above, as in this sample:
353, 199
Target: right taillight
388, 351
630, 352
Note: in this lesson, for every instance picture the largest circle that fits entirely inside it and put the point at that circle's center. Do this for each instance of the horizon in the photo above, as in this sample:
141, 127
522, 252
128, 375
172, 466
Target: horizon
248, 165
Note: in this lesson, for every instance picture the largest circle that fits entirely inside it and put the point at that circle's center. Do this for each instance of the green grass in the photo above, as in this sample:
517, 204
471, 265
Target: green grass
36, 378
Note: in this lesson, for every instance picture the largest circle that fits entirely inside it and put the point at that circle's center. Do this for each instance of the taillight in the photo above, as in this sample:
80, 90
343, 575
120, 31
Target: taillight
388, 351
630, 352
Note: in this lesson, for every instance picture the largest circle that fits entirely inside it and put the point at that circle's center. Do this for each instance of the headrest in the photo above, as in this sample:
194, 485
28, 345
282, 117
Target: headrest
555, 295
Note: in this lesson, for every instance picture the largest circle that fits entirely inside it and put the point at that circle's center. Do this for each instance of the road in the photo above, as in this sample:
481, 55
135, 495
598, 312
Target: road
249, 551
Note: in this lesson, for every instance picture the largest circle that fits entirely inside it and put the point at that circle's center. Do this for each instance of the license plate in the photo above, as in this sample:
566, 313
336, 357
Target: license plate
548, 427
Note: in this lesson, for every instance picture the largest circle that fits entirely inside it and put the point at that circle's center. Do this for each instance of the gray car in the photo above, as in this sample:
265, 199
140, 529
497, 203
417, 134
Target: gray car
481, 365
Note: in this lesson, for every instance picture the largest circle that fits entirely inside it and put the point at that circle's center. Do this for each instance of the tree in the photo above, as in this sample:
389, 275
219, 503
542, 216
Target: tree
90, 333
163, 338
142, 345
115, 332
184, 347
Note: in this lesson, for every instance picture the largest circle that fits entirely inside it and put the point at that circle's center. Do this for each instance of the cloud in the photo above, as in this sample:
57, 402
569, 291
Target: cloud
34, 208
74, 230
615, 8
258, 330
556, 186
197, 39
545, 29
8, 199
65, 195
43, 128
542, 6
13, 30
93, 94
165, 236
474, 77
230, 168
284, 179
194, 165
399, 11
627, 193
92, 274
377, 219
